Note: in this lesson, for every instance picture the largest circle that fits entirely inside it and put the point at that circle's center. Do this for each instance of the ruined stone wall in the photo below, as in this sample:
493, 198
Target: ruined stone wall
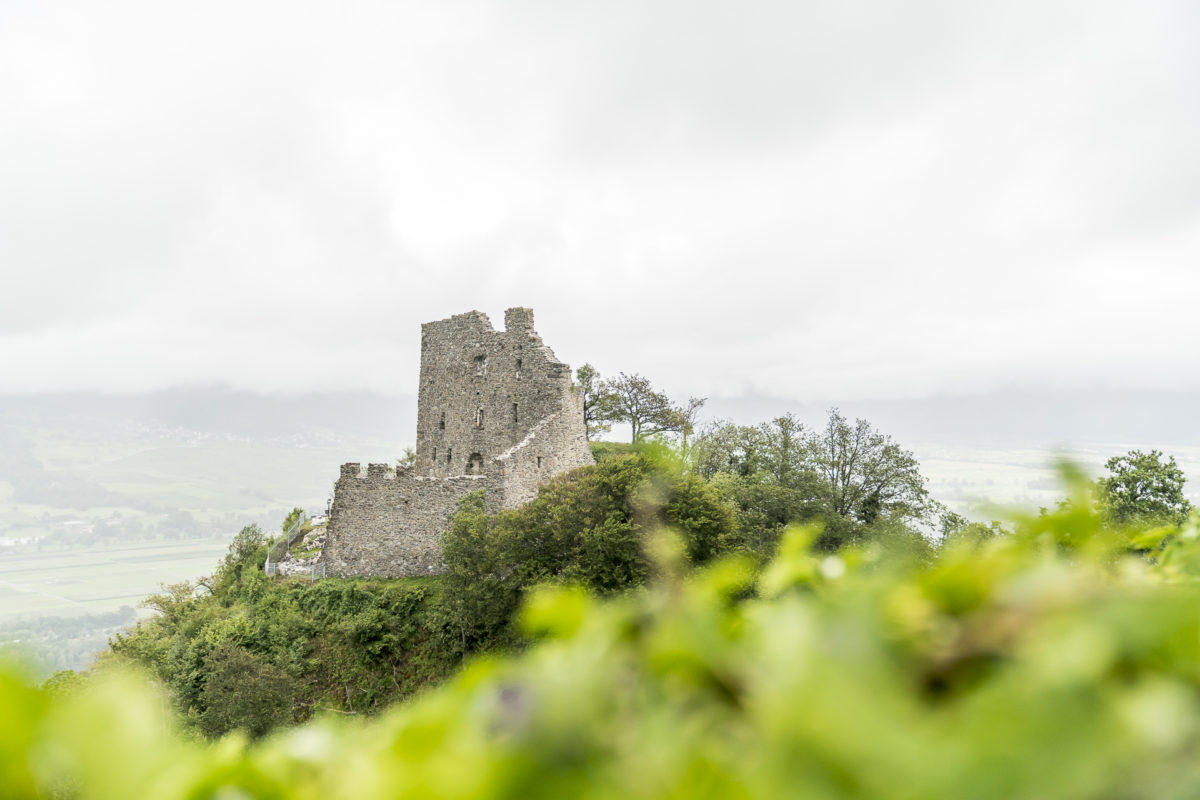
483, 390
389, 524
495, 410
558, 445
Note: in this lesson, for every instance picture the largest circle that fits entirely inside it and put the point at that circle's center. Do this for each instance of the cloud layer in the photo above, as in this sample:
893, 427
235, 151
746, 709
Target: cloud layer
834, 200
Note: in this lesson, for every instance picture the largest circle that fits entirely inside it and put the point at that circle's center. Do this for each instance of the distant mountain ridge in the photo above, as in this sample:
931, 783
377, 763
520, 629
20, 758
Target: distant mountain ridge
1010, 418
214, 410
1015, 417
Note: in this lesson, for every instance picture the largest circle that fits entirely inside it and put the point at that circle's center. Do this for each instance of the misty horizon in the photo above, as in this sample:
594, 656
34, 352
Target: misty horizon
1016, 417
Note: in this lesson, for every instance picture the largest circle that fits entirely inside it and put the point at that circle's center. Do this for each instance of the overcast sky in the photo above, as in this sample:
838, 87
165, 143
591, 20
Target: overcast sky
838, 200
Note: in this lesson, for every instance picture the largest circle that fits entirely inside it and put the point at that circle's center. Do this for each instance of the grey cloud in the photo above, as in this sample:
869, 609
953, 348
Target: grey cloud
837, 199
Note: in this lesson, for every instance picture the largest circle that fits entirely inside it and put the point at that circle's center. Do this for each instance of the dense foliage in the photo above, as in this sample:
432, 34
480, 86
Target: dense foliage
586, 527
1142, 487
240, 650
859, 483
1056, 661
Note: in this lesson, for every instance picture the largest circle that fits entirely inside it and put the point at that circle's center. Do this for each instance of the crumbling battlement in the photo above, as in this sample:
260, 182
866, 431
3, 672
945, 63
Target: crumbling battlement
496, 410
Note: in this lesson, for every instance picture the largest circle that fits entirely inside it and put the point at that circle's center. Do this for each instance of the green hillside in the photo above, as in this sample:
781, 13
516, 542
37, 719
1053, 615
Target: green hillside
1057, 661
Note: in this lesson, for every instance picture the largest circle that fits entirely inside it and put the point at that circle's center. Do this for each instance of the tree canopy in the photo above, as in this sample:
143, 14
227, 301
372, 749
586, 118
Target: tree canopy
585, 527
851, 477
633, 400
865, 473
1143, 487
596, 414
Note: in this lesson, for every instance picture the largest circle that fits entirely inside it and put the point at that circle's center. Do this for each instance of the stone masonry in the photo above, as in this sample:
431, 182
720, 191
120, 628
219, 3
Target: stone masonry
496, 410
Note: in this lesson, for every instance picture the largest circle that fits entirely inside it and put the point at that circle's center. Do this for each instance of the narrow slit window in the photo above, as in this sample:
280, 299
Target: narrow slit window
434, 454
515, 417
442, 422
479, 418
449, 454
539, 462
518, 364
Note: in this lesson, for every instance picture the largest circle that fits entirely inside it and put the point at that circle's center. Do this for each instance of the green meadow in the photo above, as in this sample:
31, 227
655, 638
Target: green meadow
98, 579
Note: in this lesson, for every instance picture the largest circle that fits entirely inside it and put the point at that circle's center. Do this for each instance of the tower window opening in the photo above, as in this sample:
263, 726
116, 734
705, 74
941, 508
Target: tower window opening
434, 455
449, 454
515, 417
479, 418
539, 462
480, 364
518, 364
442, 422
475, 464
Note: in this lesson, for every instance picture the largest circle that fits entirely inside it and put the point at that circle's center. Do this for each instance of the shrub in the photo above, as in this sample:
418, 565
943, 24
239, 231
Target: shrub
242, 691
585, 527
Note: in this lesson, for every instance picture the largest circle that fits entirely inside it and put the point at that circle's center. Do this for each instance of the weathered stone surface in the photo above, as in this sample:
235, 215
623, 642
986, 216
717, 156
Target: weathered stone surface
496, 410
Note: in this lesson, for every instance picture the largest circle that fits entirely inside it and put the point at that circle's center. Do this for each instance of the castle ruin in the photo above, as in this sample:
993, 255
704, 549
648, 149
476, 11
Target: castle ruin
496, 410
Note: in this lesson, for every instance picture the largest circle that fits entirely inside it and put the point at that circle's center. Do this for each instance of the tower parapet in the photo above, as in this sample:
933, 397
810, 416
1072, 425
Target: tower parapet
519, 320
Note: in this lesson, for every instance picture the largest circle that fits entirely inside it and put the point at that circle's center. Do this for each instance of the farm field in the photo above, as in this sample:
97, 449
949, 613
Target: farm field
984, 482
101, 579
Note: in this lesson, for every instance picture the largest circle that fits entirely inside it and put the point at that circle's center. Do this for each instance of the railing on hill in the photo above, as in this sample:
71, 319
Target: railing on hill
277, 551
315, 571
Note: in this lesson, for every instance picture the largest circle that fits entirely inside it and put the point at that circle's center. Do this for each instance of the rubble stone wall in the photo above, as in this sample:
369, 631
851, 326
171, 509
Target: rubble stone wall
389, 524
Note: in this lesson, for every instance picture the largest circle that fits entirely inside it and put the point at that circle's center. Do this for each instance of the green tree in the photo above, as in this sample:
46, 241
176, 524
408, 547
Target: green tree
765, 471
850, 476
700, 514
1144, 488
864, 475
633, 400
64, 682
580, 528
242, 691
584, 527
723, 447
955, 528
777, 452
596, 412
407, 460
293, 516
784, 454
172, 601
247, 551
480, 600
687, 417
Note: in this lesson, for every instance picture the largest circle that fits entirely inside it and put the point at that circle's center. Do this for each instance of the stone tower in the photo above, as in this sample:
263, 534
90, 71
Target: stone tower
483, 391
496, 410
